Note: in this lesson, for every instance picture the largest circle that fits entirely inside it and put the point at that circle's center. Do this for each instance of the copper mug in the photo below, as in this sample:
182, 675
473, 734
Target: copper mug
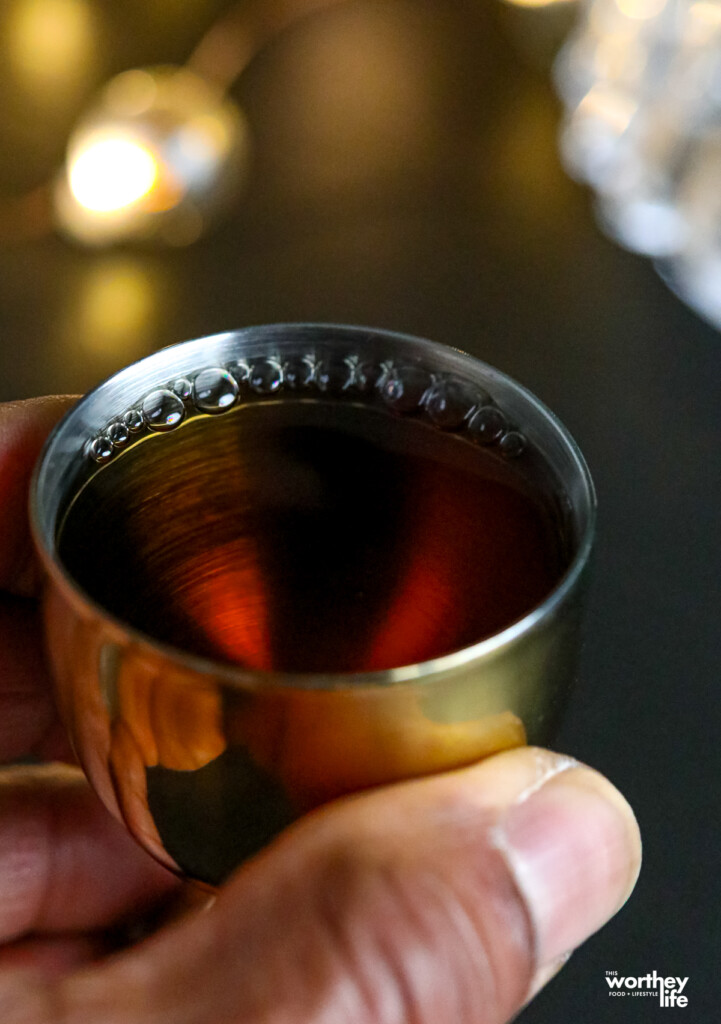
206, 761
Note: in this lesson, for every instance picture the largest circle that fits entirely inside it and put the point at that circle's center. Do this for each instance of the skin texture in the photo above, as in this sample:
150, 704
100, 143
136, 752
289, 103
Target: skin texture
447, 899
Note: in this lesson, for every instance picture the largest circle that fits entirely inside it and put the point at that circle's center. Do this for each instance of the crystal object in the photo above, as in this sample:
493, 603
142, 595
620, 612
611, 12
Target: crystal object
641, 84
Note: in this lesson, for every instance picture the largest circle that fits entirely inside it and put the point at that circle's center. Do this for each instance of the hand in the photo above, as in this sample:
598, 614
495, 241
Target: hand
446, 900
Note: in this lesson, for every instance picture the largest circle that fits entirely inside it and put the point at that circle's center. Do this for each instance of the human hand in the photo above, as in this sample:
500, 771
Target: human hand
445, 900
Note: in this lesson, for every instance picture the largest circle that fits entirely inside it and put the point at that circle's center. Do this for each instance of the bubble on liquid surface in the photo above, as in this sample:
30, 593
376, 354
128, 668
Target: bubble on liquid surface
101, 449
182, 388
214, 390
512, 444
365, 376
266, 376
449, 402
162, 410
333, 374
239, 371
403, 387
133, 420
118, 434
487, 425
299, 371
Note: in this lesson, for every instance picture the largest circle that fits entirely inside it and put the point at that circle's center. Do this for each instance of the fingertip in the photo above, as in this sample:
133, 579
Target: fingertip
574, 848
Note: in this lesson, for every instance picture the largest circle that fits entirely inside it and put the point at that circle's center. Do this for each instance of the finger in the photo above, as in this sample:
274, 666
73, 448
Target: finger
23, 429
65, 863
55, 955
52, 956
28, 719
434, 900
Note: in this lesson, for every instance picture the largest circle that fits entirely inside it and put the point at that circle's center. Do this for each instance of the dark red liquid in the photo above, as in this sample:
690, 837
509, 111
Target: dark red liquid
316, 536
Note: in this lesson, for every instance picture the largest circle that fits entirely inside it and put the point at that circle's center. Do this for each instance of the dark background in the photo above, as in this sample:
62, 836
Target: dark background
405, 176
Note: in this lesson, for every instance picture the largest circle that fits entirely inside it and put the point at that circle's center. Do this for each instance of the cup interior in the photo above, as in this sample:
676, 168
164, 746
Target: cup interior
203, 435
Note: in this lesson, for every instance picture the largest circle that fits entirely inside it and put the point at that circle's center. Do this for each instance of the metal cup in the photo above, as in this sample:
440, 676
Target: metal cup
204, 761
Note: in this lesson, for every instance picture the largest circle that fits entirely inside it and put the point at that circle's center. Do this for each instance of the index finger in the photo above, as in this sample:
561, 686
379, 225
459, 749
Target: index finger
23, 429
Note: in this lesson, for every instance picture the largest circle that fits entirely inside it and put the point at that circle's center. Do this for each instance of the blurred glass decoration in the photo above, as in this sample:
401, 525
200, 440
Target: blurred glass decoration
162, 150
154, 159
641, 83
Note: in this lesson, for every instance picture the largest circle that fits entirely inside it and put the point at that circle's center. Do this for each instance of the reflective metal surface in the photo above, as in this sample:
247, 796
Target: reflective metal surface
205, 761
405, 173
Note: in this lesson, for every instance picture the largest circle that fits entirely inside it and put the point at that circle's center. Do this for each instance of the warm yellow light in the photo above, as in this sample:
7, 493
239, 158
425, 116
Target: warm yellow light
704, 22
707, 11
640, 10
607, 106
51, 40
155, 159
117, 308
536, 3
111, 173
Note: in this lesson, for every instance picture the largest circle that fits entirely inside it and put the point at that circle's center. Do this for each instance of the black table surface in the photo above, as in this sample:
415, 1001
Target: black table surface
405, 175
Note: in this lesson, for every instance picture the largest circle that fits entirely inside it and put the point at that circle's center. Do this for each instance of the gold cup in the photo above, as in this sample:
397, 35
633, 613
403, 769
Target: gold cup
205, 761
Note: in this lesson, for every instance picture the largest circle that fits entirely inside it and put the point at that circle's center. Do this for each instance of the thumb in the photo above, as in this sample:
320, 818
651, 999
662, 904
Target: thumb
437, 900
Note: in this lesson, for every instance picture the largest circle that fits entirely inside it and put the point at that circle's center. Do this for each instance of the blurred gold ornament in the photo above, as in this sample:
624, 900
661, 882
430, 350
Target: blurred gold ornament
158, 156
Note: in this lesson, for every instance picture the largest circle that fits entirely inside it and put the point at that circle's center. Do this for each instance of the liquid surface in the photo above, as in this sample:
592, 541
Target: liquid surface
315, 536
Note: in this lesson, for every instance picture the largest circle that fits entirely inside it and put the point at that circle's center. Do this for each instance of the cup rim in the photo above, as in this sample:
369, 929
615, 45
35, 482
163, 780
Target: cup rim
250, 679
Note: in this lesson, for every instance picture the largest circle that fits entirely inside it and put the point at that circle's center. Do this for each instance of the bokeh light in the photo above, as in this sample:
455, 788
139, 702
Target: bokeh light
640, 10
640, 83
51, 45
115, 310
158, 156
537, 3
111, 172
